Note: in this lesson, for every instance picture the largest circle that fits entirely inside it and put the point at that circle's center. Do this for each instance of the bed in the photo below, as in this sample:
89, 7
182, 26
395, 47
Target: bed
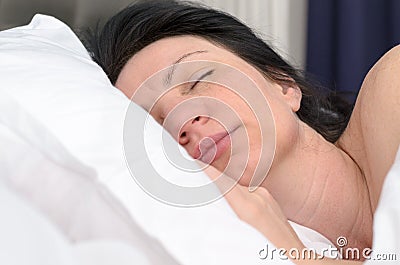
67, 194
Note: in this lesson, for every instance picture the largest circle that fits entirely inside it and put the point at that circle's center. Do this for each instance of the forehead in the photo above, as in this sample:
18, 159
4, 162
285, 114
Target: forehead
168, 49
155, 57
163, 53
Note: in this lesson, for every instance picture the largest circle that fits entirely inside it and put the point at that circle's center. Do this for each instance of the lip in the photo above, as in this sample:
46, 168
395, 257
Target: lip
210, 148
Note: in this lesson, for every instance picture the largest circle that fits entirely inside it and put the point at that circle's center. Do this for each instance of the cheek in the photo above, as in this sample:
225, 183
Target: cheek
251, 166
275, 142
246, 154
285, 121
167, 111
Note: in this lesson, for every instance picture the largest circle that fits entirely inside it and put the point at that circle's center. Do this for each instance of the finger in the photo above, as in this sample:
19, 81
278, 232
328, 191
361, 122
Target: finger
233, 192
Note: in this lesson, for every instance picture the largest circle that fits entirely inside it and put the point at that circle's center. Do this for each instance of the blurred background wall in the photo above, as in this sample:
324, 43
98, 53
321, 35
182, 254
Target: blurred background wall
282, 23
75, 13
336, 41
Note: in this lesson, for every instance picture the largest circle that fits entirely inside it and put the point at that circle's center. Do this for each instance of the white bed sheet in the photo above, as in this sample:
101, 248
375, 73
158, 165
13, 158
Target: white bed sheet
386, 239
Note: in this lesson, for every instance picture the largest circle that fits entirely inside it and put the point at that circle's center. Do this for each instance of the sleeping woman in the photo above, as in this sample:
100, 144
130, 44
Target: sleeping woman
326, 166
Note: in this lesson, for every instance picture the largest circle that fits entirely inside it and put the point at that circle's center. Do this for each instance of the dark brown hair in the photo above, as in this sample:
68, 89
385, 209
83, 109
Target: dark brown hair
146, 21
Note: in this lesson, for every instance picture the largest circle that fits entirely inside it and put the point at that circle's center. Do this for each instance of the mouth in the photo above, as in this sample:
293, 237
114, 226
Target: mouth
210, 148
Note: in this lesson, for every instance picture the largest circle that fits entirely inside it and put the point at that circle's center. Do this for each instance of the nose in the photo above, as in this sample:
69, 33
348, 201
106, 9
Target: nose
191, 129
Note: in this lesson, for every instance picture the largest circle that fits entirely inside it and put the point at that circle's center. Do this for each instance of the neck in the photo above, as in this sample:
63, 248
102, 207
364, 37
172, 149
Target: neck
321, 187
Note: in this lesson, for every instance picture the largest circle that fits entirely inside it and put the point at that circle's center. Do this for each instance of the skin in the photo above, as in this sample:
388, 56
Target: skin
331, 188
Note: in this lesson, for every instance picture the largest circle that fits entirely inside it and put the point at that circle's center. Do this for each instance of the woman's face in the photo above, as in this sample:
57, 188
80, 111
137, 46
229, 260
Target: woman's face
224, 119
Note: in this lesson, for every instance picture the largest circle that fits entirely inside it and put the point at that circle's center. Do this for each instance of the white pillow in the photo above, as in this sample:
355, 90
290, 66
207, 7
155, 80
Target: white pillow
46, 68
50, 200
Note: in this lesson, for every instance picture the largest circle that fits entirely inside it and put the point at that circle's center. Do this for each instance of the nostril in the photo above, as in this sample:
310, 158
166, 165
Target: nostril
183, 139
196, 119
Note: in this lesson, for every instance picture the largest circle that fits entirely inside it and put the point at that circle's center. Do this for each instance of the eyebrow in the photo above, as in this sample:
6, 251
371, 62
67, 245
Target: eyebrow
170, 74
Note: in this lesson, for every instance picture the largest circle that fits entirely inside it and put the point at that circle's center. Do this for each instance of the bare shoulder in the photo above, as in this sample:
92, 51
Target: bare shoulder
379, 102
373, 134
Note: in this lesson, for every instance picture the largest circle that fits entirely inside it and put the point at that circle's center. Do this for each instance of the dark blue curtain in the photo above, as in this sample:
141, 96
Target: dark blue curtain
346, 37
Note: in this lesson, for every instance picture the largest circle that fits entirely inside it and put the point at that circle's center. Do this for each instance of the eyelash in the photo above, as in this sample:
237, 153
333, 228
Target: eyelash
210, 72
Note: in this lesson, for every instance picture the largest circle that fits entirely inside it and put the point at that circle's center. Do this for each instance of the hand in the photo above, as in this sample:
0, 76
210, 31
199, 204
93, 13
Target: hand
259, 209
